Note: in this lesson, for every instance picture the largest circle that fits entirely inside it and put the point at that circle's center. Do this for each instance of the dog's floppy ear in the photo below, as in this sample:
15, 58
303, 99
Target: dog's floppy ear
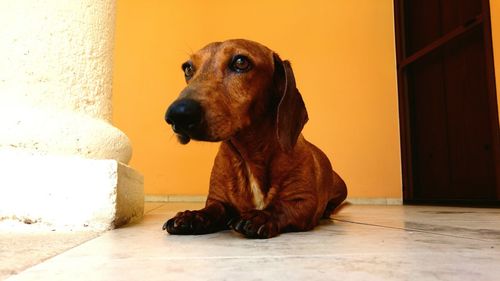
291, 113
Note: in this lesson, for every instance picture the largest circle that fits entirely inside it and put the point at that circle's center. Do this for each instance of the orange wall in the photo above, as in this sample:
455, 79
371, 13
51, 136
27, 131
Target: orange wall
343, 56
495, 34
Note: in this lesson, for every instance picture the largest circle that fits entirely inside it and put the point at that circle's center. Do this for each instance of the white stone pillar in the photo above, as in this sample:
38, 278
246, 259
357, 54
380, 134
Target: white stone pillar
61, 160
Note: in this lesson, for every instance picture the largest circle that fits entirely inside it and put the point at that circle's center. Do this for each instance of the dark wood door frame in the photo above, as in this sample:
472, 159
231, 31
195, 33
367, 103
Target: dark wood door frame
404, 60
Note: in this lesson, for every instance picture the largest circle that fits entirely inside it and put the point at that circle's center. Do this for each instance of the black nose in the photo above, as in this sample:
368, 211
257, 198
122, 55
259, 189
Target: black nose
184, 115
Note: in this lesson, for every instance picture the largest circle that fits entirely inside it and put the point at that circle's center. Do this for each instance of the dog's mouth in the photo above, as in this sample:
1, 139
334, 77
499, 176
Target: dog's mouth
183, 139
182, 136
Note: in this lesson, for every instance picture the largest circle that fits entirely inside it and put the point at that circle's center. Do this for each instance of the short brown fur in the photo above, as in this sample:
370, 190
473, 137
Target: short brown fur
266, 178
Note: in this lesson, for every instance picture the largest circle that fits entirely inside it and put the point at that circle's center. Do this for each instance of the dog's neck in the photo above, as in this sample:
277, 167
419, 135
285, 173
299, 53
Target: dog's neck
256, 144
255, 147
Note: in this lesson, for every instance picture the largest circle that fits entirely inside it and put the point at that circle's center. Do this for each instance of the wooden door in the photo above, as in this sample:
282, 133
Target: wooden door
447, 96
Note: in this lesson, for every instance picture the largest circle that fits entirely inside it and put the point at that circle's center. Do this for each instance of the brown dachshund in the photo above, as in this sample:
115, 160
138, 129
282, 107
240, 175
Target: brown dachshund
266, 179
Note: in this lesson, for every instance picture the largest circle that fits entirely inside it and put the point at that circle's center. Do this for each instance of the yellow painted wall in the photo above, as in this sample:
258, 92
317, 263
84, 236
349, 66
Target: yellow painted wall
343, 54
495, 34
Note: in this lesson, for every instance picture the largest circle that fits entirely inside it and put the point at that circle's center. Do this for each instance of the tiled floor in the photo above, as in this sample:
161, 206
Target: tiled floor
24, 245
361, 243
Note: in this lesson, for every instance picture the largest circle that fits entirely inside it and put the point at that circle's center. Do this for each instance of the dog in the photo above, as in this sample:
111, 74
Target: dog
267, 178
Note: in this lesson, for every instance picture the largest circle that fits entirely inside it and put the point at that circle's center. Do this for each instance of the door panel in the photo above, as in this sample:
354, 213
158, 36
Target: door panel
427, 100
449, 130
471, 161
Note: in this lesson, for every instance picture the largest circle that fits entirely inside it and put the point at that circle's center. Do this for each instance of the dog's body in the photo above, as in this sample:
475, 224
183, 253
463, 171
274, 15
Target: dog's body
266, 179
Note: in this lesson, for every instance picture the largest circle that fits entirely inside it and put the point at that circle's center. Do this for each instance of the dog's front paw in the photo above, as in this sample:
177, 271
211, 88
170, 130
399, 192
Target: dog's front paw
189, 222
256, 224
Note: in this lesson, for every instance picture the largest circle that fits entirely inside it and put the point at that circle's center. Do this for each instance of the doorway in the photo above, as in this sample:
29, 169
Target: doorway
447, 100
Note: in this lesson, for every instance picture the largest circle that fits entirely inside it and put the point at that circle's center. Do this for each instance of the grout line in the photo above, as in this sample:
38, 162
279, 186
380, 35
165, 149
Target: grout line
254, 257
202, 198
375, 201
175, 198
415, 230
147, 212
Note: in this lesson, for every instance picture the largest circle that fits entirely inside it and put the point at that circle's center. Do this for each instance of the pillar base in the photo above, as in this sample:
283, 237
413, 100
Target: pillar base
69, 192
50, 131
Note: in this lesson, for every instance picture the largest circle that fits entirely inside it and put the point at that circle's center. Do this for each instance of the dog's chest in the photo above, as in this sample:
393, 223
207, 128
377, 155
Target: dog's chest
256, 191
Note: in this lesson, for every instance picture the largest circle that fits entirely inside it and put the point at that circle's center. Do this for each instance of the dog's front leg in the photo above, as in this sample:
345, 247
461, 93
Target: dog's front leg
212, 218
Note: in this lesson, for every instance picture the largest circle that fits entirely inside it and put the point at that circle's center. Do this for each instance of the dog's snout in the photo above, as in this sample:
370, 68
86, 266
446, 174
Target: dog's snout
184, 115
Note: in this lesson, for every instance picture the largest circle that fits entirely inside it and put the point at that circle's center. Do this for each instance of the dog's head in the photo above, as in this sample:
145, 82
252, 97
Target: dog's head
233, 85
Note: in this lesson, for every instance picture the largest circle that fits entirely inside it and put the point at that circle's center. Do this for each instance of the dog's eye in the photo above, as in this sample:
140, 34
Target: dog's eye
188, 70
240, 64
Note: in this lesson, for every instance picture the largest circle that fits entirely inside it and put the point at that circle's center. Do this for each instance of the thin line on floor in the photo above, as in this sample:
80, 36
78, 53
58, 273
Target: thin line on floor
316, 256
412, 229
149, 211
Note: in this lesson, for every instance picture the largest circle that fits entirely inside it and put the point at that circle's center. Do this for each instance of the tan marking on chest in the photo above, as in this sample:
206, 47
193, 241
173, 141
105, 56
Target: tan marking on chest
258, 197
317, 168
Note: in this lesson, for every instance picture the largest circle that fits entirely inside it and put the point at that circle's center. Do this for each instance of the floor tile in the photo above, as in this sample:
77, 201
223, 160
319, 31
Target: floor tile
22, 246
474, 223
360, 245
